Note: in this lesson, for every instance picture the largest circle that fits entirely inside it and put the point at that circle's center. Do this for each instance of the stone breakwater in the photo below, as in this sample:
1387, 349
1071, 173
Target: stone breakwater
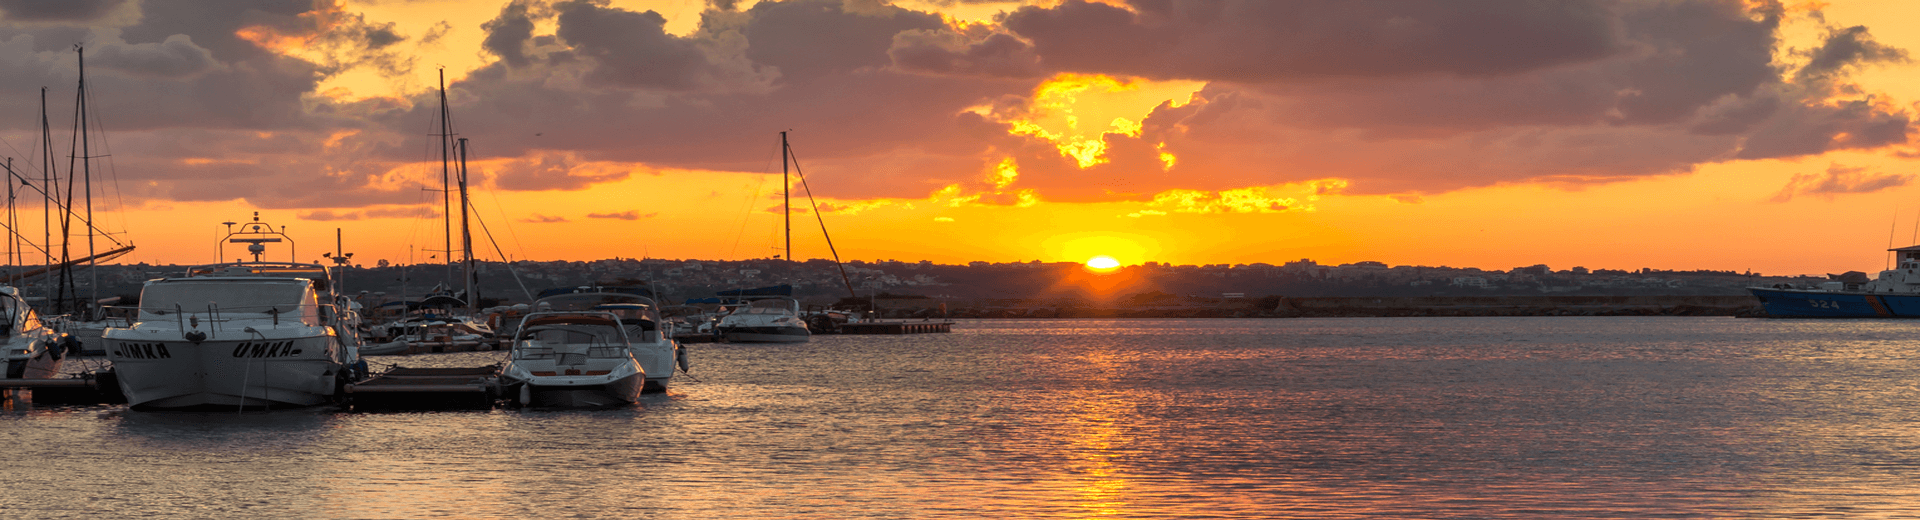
1745, 306
1282, 307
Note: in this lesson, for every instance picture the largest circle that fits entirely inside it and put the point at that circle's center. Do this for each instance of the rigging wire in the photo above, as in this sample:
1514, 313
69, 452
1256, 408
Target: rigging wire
822, 219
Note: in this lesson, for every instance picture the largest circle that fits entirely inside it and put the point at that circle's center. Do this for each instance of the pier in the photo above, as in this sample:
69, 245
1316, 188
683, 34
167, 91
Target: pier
427, 388
85, 389
897, 327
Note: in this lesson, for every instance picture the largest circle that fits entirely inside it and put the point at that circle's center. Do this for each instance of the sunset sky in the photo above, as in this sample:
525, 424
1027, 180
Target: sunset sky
1745, 135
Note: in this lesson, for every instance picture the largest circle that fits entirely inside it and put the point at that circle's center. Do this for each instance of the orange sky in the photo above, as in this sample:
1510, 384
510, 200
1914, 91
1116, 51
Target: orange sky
945, 145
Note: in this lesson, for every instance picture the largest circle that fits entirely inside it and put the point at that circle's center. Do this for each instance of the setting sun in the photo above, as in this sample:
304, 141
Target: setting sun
1102, 263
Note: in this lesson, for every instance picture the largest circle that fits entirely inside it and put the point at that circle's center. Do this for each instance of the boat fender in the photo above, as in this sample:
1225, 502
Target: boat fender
680, 356
70, 344
526, 394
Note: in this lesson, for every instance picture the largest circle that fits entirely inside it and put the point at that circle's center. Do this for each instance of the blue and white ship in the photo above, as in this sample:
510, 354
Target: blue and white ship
1894, 294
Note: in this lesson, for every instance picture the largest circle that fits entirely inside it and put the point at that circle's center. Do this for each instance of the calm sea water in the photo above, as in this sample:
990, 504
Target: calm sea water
1321, 418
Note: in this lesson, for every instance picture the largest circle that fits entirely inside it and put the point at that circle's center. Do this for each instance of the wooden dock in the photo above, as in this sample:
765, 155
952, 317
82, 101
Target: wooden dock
897, 327
86, 389
427, 388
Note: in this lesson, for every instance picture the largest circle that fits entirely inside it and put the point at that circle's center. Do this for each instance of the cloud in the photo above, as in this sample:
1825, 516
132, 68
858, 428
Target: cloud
60, 11
537, 218
1257, 40
1839, 180
892, 104
624, 215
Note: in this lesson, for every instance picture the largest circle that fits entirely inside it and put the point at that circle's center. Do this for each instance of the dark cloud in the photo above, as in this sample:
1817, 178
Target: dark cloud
631, 49
550, 171
57, 10
950, 52
508, 34
174, 57
1839, 180
1845, 48
624, 215
806, 39
1256, 40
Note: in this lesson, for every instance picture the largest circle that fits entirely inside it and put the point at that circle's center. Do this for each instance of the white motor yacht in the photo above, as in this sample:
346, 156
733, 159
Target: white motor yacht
765, 320
237, 335
34, 350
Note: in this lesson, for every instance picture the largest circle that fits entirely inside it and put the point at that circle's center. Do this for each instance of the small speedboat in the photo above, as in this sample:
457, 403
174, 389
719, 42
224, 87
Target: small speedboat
573, 359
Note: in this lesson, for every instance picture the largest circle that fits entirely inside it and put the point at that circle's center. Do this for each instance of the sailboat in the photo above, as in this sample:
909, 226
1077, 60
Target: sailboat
36, 345
456, 329
770, 314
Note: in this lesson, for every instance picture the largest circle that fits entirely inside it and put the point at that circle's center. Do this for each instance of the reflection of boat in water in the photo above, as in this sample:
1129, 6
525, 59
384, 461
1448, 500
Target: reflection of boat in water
1895, 293
246, 334
573, 359
34, 350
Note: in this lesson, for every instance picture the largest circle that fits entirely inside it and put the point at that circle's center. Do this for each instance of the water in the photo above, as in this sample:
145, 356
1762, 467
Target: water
1321, 418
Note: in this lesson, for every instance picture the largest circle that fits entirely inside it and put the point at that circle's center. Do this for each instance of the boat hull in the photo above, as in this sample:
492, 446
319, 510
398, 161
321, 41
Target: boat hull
1788, 303
766, 334
547, 394
224, 374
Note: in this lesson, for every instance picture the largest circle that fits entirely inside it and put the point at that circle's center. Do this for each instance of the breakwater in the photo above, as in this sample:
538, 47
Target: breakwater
1283, 307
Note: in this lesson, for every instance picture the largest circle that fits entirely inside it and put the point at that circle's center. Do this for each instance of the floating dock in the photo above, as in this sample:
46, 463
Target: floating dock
85, 389
897, 327
427, 388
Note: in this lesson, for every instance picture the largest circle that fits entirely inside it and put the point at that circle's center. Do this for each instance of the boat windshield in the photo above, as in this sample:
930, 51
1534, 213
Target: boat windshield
162, 299
767, 307
570, 340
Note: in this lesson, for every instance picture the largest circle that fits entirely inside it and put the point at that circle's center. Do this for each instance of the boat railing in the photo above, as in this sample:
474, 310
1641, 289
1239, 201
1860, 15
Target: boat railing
293, 314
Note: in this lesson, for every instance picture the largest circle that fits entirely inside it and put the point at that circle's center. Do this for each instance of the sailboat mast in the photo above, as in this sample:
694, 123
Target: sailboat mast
786, 196
446, 202
466, 235
86, 167
47, 189
13, 221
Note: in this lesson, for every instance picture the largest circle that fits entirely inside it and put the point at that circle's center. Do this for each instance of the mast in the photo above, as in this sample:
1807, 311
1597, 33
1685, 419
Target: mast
86, 167
13, 222
48, 188
446, 134
786, 196
466, 235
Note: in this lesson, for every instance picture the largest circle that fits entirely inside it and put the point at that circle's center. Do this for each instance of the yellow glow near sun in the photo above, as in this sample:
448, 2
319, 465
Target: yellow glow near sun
1103, 263
1060, 104
1123, 248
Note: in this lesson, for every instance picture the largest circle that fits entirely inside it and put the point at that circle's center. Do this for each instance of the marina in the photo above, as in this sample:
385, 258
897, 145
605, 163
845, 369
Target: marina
1314, 417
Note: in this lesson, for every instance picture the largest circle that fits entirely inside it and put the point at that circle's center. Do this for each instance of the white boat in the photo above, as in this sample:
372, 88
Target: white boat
34, 350
237, 335
765, 320
419, 335
648, 338
573, 359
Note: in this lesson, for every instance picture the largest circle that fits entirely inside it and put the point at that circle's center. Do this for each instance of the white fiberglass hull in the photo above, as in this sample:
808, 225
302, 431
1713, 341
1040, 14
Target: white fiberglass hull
173, 373
581, 391
657, 359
